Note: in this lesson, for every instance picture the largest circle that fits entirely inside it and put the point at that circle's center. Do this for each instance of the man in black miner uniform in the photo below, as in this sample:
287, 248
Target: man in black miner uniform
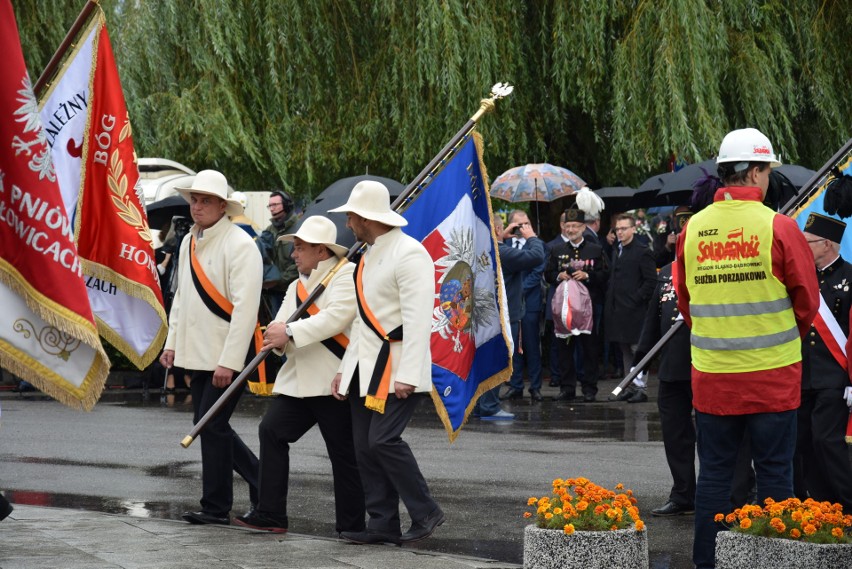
822, 469
583, 261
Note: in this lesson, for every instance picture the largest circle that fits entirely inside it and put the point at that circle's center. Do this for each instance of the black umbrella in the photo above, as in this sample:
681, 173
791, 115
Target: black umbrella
616, 198
162, 211
683, 179
646, 194
336, 195
798, 175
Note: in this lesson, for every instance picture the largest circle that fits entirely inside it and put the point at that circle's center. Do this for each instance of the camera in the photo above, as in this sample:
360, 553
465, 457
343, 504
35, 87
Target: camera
181, 226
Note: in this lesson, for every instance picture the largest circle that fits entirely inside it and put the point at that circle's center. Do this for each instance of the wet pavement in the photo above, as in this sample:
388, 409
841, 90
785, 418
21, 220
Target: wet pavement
124, 458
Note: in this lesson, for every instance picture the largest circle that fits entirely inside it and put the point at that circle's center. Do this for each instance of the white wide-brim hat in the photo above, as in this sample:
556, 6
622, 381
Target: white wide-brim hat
317, 230
212, 183
371, 200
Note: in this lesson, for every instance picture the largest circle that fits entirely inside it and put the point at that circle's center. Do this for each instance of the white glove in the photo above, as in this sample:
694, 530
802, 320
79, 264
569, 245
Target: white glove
847, 395
639, 380
161, 269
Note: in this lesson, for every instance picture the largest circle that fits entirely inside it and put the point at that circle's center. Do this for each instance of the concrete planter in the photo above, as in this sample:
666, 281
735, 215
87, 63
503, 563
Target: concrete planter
735, 550
552, 549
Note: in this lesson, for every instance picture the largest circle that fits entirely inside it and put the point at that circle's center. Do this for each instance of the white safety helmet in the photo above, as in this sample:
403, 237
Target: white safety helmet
746, 145
239, 197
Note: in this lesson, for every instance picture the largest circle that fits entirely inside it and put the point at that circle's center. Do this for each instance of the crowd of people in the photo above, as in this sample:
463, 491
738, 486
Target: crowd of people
765, 410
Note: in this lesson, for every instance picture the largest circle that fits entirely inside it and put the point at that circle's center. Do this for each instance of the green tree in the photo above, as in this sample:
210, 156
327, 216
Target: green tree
297, 94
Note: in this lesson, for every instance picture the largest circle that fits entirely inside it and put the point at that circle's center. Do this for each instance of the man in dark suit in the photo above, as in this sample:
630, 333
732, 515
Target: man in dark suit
632, 279
582, 261
821, 463
528, 354
514, 263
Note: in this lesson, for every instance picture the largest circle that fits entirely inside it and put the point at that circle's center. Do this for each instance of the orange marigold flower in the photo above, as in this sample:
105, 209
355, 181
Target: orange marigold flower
532, 501
614, 527
795, 533
582, 505
568, 529
548, 515
718, 517
527, 514
619, 486
557, 511
837, 532
640, 525
745, 523
796, 516
730, 518
599, 509
810, 529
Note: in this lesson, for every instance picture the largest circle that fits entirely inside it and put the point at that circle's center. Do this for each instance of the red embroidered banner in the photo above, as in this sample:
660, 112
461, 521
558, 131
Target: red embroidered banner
47, 333
91, 141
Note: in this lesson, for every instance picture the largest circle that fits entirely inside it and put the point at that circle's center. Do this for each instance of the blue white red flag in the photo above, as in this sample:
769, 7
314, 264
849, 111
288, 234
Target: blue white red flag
471, 339
815, 204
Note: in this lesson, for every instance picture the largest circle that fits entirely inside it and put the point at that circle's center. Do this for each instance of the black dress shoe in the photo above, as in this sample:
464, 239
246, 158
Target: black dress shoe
589, 398
565, 395
5, 508
512, 393
639, 397
205, 518
423, 529
672, 509
369, 537
266, 522
535, 395
628, 392
554, 383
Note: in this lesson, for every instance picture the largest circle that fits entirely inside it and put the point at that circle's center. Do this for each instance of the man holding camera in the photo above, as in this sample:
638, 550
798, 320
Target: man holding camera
528, 353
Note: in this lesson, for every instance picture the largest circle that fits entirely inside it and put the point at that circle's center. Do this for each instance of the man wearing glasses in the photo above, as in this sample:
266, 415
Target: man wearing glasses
632, 279
279, 270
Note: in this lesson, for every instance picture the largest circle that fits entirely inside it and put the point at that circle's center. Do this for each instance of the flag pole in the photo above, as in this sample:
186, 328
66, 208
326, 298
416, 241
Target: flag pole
789, 208
49, 71
400, 204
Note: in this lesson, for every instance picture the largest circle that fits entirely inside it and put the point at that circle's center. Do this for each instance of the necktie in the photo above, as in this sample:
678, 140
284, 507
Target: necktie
620, 248
518, 244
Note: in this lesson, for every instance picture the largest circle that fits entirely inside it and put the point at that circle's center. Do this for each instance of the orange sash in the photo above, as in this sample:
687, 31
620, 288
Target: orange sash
222, 307
336, 345
377, 392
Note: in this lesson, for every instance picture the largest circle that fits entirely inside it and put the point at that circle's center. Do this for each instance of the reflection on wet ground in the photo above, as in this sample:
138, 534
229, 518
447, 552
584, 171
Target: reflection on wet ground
492, 535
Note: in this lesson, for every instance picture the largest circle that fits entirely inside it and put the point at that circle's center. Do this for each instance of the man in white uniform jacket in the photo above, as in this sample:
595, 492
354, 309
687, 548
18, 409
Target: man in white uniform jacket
211, 324
387, 365
314, 346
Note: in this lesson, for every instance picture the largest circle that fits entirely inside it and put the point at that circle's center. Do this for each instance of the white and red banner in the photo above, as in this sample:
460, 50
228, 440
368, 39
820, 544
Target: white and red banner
88, 130
47, 333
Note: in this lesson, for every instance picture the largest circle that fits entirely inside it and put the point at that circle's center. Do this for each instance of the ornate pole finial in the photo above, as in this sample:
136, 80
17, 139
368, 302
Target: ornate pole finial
498, 91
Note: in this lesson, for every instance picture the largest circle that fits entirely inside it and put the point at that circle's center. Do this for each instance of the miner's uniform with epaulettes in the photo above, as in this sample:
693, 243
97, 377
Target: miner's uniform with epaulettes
822, 464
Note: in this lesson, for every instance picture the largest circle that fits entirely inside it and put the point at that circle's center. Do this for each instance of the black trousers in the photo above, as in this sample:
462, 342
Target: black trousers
286, 420
389, 471
674, 400
821, 465
568, 373
223, 452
